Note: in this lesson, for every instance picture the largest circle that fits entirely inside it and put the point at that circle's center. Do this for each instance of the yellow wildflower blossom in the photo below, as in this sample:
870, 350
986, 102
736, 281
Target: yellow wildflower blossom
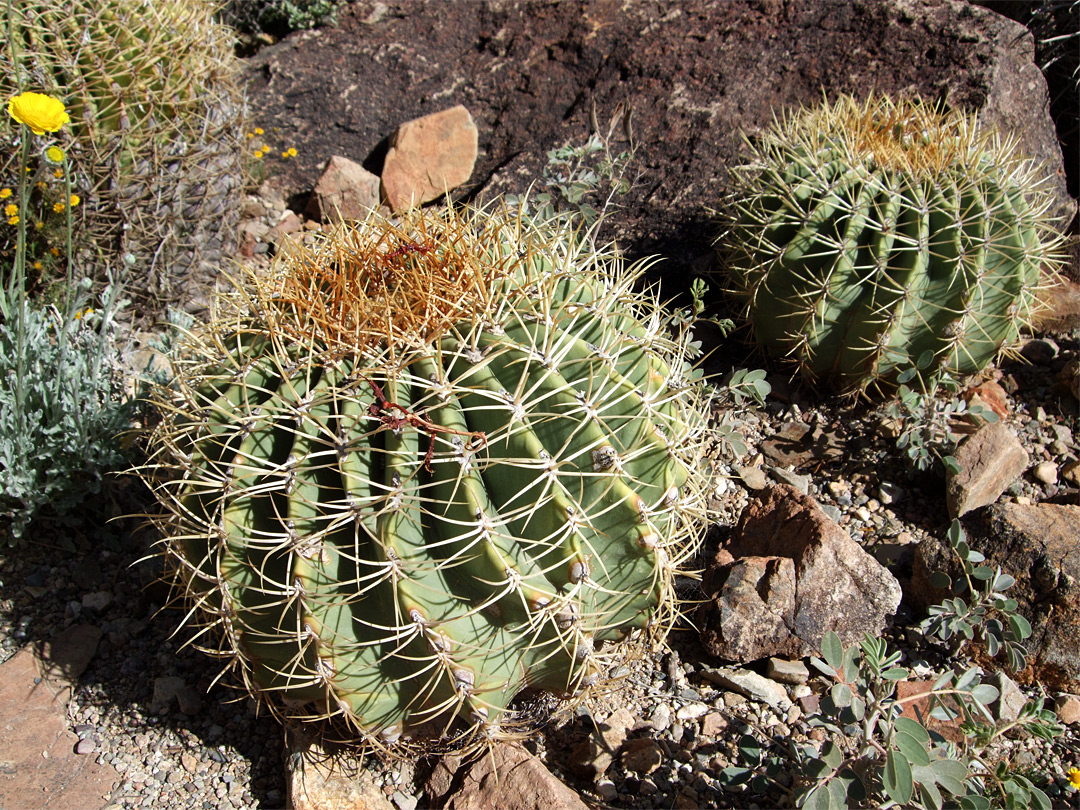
11, 210
58, 208
39, 112
74, 200
292, 151
38, 265
258, 154
55, 154
1073, 775
5, 193
13, 220
55, 251
58, 173
258, 130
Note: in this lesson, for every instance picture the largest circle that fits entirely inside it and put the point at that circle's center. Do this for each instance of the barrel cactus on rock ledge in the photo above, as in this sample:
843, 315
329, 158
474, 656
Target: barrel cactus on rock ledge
424, 466
869, 239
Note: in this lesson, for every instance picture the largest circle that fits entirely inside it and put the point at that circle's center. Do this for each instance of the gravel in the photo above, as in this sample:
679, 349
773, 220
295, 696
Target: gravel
155, 708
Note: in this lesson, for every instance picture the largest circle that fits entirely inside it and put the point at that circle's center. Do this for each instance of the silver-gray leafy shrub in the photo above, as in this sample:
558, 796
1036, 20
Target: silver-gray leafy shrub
62, 408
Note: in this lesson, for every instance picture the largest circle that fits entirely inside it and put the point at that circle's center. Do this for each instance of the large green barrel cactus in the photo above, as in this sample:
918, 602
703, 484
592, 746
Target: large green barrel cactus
157, 121
867, 237
425, 466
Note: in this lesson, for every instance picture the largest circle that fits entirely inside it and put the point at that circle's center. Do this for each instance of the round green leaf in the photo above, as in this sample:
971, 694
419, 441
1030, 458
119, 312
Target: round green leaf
911, 748
897, 778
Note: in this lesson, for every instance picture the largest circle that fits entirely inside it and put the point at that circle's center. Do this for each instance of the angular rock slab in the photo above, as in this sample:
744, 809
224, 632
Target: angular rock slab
346, 190
504, 777
1039, 546
39, 769
788, 575
990, 459
428, 157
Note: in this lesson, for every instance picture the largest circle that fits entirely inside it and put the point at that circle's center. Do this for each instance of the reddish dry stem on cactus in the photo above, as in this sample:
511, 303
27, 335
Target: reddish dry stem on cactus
384, 410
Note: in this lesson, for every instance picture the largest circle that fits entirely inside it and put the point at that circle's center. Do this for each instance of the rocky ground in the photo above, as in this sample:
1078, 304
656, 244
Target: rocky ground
152, 714
126, 713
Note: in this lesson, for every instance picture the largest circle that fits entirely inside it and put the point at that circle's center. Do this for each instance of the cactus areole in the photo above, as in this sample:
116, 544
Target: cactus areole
423, 467
866, 235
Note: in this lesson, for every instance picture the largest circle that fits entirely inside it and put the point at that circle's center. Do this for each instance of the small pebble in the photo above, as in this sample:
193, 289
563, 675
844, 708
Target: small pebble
86, 746
1046, 472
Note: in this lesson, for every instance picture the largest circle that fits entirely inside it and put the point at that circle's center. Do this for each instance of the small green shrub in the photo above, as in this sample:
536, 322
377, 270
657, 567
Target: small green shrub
933, 420
979, 608
62, 407
876, 757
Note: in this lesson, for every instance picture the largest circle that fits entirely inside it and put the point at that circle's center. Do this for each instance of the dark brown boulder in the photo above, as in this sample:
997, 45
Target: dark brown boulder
1038, 545
696, 74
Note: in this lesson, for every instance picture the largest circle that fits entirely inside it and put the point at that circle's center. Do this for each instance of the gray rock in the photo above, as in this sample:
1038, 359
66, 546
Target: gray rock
752, 477
98, 601
799, 482
750, 684
166, 689
1010, 699
990, 460
793, 672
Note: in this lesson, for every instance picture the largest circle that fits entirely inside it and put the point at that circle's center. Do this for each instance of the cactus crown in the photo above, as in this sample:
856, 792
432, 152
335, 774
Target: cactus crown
423, 466
869, 238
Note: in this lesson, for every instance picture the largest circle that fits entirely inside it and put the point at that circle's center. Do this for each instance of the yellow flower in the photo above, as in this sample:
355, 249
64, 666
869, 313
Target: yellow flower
42, 185
258, 130
74, 200
58, 173
55, 251
13, 220
38, 265
58, 208
39, 224
285, 155
5, 193
11, 210
88, 311
250, 135
55, 154
292, 151
39, 112
1073, 775
258, 154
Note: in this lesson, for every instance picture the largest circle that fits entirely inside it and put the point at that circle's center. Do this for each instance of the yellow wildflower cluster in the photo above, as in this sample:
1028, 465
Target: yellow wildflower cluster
1073, 775
263, 149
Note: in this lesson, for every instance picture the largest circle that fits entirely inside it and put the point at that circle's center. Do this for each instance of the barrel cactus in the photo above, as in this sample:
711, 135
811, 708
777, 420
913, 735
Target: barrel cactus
157, 122
867, 239
424, 466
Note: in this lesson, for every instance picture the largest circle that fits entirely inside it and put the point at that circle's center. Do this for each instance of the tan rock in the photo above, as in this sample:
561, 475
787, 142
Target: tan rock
504, 777
642, 755
990, 460
594, 756
1068, 709
41, 770
317, 780
429, 156
346, 190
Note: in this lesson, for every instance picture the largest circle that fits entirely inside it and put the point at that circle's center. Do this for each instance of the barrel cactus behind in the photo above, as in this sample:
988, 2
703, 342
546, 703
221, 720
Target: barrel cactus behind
869, 238
157, 118
424, 466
